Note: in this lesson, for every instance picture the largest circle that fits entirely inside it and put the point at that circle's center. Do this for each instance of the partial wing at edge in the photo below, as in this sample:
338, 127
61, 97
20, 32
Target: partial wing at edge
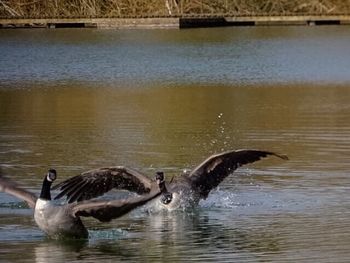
10, 187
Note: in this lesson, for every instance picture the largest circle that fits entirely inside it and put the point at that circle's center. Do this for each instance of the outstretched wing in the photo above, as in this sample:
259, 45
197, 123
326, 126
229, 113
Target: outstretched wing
213, 170
108, 210
10, 187
97, 182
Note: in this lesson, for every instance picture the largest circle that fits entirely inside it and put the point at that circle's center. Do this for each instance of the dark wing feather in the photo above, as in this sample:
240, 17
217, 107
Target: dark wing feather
97, 182
213, 170
108, 210
10, 187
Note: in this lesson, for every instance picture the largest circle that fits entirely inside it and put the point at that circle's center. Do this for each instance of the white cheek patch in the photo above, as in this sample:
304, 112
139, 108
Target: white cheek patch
48, 178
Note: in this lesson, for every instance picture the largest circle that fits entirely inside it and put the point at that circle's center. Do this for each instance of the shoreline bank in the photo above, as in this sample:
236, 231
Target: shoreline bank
175, 22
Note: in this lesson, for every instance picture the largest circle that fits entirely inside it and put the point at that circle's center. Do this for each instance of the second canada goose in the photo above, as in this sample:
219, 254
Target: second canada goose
64, 220
185, 190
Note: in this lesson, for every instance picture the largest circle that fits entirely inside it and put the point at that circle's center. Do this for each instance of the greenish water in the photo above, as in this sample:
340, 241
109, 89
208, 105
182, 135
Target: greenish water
167, 99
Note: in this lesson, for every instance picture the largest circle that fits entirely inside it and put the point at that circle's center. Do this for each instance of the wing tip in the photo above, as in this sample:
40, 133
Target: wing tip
283, 156
279, 155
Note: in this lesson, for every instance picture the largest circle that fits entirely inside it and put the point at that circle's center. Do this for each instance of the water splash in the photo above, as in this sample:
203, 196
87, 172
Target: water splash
226, 199
222, 138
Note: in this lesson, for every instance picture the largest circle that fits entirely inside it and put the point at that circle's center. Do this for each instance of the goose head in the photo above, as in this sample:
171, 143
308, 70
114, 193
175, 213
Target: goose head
49, 178
166, 196
51, 175
160, 178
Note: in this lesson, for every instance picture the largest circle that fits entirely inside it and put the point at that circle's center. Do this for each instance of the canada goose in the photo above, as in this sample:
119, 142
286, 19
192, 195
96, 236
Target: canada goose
184, 190
63, 220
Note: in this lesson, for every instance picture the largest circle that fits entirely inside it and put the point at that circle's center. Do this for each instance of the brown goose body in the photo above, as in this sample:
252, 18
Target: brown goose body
185, 190
63, 220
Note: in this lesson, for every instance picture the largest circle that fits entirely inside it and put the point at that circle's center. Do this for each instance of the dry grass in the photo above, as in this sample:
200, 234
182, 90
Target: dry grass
136, 8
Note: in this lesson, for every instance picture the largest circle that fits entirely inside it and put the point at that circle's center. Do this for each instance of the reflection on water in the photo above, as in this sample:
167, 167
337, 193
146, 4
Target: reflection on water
135, 58
167, 100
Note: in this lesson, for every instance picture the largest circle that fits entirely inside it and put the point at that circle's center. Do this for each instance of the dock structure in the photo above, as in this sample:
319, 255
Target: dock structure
175, 22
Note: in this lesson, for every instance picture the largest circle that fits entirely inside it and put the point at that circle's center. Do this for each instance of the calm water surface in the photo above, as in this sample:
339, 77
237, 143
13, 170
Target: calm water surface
167, 99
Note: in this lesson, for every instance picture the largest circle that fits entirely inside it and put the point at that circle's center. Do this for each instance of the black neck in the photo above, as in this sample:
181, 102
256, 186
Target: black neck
45, 190
163, 188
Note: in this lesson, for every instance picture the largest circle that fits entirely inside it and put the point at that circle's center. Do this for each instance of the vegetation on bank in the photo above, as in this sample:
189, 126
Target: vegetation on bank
165, 8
